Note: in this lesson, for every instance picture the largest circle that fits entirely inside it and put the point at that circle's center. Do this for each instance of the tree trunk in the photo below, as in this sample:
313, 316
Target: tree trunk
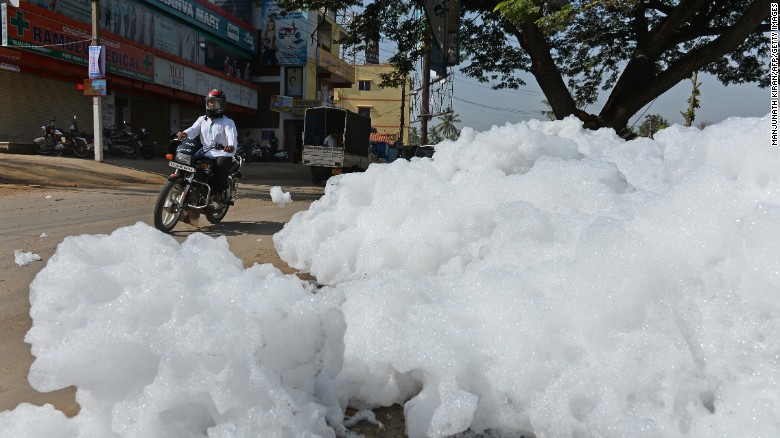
545, 71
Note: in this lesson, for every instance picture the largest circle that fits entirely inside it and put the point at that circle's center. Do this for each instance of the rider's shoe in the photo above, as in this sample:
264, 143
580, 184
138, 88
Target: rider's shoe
216, 202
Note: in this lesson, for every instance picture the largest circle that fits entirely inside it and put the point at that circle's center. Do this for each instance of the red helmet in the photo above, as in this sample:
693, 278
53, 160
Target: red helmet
215, 103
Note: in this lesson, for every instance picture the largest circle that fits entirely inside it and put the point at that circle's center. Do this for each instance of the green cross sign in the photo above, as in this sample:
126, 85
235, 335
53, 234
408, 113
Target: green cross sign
147, 62
20, 23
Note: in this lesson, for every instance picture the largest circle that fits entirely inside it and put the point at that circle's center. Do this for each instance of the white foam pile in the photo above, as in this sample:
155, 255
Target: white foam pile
536, 279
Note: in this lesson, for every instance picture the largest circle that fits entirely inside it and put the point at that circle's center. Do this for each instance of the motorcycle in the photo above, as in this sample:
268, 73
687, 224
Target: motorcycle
56, 140
275, 152
289, 31
146, 149
123, 142
252, 150
260, 152
188, 190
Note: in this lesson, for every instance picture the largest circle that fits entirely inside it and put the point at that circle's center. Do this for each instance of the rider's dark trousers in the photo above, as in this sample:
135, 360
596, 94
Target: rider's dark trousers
221, 169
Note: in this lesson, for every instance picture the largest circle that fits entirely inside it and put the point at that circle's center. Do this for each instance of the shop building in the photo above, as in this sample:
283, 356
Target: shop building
298, 66
161, 58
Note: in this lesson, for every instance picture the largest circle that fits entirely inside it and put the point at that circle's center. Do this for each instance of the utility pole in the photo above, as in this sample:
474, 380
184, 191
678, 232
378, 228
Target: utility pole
403, 102
426, 89
97, 107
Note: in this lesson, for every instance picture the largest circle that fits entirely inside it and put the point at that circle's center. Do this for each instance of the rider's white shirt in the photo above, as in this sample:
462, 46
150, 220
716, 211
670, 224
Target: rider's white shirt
217, 131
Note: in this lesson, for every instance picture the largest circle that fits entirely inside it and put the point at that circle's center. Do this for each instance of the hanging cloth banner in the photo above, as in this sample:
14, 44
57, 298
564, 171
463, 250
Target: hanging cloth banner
97, 62
444, 18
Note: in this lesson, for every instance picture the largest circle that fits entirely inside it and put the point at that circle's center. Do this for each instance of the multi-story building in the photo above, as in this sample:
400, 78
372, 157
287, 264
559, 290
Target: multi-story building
388, 107
161, 58
297, 67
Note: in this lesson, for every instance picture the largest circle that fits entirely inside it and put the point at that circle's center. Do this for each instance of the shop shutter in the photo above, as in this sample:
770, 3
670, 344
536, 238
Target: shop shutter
29, 102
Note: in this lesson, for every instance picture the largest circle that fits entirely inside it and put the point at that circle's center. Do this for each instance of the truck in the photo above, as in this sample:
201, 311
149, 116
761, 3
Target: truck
353, 155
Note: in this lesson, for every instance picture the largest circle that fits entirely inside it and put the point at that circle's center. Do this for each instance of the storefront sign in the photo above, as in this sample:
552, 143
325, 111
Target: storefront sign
205, 18
9, 60
26, 30
300, 105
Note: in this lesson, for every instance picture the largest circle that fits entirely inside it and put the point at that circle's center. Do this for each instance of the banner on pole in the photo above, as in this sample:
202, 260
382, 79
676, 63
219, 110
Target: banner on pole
97, 62
95, 87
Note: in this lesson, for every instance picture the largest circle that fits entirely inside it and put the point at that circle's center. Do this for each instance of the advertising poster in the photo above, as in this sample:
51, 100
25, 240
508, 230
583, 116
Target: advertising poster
282, 104
294, 81
282, 35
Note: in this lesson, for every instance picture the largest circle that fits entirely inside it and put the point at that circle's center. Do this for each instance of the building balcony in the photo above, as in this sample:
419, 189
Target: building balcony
339, 72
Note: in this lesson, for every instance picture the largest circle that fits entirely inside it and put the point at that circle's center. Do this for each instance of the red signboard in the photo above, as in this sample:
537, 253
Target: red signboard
41, 33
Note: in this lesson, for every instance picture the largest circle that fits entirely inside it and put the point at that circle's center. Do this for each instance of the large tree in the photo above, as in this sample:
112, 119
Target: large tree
634, 49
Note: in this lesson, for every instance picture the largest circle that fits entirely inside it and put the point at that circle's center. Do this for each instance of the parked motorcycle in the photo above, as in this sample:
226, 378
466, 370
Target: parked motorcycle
260, 152
56, 140
188, 191
276, 153
253, 151
121, 142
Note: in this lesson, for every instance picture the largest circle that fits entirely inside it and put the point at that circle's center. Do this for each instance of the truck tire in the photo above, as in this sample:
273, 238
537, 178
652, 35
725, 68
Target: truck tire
319, 175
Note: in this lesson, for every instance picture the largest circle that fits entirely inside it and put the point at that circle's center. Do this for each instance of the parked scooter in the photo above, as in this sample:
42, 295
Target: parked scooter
55, 140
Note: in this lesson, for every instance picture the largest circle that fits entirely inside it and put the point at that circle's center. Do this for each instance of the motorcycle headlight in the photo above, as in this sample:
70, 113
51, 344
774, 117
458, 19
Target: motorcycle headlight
184, 158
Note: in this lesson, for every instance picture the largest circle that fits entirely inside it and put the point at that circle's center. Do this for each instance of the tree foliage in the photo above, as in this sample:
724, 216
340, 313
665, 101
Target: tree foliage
414, 135
446, 127
652, 124
635, 50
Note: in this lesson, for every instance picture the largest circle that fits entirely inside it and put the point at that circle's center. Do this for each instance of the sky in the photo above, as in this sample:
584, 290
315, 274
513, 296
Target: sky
536, 279
480, 107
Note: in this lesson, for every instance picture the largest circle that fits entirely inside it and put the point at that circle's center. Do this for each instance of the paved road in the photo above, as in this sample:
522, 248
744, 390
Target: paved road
45, 199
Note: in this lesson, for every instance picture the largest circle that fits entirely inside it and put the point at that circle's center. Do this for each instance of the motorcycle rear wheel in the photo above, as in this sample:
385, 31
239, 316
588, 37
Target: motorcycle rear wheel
80, 148
166, 211
216, 217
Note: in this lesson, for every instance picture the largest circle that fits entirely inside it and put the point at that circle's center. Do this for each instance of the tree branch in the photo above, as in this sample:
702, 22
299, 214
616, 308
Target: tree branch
633, 100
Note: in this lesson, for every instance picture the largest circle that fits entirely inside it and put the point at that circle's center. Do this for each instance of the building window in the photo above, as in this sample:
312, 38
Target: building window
365, 111
364, 85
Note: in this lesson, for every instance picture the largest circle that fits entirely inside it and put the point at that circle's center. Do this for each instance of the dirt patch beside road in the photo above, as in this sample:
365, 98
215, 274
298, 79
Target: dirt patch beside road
66, 172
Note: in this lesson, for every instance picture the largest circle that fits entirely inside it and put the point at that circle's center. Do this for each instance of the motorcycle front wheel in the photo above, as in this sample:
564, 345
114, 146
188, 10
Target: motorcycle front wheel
166, 209
80, 148
116, 151
42, 146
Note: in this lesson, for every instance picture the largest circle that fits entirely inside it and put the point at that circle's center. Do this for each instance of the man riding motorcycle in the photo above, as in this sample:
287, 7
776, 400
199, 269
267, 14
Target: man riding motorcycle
219, 137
